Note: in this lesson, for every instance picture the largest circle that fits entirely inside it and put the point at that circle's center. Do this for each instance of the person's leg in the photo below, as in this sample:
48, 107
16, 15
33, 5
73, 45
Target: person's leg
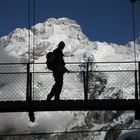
54, 88
59, 84
52, 93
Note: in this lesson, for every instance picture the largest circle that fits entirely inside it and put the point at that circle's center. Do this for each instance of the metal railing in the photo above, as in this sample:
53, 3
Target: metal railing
87, 81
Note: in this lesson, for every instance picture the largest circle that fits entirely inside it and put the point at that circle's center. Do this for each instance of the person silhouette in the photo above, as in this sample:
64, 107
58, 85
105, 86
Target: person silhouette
58, 72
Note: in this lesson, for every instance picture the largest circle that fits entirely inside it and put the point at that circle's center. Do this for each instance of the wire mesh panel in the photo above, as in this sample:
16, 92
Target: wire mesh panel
112, 81
112, 85
12, 87
13, 82
12, 68
43, 82
73, 67
113, 66
72, 87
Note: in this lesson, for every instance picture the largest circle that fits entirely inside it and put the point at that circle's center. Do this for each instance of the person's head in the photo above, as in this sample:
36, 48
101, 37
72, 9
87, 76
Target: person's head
61, 45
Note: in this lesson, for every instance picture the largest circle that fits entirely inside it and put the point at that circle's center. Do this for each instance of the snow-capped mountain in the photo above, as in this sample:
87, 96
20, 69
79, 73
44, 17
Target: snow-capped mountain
45, 36
23, 45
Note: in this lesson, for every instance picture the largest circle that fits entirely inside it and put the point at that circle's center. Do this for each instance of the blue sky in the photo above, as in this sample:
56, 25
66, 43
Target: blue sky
101, 20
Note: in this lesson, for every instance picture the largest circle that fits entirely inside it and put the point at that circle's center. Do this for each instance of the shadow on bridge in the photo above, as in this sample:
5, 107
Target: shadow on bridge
89, 86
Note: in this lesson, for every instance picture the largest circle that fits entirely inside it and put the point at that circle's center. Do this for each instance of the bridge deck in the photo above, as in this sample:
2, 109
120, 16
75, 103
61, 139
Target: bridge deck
69, 105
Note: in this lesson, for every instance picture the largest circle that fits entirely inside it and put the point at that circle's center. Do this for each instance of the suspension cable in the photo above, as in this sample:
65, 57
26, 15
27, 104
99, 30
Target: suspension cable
134, 32
29, 34
31, 22
33, 45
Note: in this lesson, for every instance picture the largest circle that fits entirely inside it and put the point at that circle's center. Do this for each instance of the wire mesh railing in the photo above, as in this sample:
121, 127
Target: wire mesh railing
113, 80
13, 82
86, 81
73, 87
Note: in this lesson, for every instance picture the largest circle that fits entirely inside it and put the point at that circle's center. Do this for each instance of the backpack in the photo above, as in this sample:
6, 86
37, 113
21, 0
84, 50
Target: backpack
50, 60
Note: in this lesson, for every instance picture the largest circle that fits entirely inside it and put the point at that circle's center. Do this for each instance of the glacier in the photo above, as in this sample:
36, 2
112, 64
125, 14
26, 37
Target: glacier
44, 37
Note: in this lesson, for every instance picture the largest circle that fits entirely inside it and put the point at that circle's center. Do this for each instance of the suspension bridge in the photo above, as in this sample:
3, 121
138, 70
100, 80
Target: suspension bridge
90, 86
22, 86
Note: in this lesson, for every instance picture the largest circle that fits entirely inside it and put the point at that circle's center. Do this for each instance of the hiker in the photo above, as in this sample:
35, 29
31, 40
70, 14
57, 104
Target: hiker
58, 69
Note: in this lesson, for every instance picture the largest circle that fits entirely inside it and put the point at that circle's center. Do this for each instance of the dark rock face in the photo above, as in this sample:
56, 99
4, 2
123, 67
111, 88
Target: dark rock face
100, 117
115, 131
97, 85
128, 138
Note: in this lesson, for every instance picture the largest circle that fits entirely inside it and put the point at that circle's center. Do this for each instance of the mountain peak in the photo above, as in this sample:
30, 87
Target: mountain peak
52, 25
44, 37
63, 20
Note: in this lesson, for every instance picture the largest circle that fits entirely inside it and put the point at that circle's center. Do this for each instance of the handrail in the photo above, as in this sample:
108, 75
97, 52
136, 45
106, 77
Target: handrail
74, 62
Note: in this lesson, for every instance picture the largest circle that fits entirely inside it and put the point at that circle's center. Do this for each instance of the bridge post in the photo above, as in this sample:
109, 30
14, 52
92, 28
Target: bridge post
29, 84
137, 94
136, 85
137, 81
86, 81
29, 94
139, 78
